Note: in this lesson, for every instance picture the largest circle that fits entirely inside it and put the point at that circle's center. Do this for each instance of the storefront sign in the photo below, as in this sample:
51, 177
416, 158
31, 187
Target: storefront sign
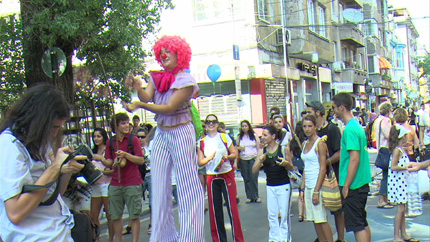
343, 87
308, 67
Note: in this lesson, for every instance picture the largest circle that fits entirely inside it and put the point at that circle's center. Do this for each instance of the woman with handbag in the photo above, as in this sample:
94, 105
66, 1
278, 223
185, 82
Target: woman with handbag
29, 141
314, 155
382, 126
278, 184
248, 144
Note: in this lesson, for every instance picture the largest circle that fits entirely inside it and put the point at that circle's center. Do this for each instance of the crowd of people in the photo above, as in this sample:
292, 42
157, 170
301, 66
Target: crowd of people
171, 164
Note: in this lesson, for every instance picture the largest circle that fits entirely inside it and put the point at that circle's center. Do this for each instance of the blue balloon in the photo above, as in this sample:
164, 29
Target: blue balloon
214, 72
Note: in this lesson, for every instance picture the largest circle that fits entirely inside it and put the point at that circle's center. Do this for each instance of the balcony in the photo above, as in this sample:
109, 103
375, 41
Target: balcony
353, 75
379, 81
374, 46
352, 35
353, 3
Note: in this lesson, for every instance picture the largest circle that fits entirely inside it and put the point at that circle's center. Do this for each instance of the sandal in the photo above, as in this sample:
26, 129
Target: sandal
385, 206
149, 229
301, 218
411, 239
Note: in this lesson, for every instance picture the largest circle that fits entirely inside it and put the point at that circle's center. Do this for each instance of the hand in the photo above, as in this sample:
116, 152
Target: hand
315, 198
262, 157
283, 163
345, 192
211, 156
134, 82
72, 166
235, 165
131, 106
121, 154
98, 157
119, 162
413, 166
302, 196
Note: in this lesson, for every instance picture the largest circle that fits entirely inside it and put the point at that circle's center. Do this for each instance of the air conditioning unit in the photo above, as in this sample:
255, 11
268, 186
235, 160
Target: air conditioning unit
279, 39
337, 66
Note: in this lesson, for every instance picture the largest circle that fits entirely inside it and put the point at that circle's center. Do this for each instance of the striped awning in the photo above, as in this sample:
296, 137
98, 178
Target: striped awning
384, 63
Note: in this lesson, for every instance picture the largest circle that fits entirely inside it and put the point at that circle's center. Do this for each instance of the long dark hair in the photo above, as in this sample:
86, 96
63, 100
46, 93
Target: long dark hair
31, 119
300, 133
295, 147
273, 131
393, 139
250, 131
104, 135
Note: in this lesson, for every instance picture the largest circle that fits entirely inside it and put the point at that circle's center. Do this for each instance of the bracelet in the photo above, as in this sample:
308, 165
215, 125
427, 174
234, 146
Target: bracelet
316, 192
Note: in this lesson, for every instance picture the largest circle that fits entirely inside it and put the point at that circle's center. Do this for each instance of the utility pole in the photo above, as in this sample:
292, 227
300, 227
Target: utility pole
289, 99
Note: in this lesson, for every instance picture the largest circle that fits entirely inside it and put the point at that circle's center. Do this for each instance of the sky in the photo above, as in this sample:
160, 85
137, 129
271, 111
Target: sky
420, 13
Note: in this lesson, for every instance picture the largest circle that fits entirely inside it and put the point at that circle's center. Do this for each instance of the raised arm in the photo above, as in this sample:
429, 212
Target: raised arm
177, 99
261, 157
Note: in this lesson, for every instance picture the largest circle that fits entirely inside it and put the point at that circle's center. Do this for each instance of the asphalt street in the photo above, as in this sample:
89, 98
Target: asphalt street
256, 228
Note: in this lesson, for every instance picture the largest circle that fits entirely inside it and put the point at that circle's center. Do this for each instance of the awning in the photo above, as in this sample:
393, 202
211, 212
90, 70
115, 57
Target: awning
384, 63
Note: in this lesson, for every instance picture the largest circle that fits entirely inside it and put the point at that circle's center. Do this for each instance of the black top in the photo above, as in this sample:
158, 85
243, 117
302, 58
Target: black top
276, 175
333, 142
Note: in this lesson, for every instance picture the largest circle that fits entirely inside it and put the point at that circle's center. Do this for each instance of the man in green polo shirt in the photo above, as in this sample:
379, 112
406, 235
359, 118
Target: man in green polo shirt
354, 169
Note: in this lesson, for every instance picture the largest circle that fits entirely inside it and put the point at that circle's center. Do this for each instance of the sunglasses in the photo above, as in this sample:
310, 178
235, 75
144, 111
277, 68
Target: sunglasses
141, 137
211, 121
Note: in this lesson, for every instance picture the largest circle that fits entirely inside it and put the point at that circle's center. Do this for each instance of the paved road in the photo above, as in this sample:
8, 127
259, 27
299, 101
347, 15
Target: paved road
255, 224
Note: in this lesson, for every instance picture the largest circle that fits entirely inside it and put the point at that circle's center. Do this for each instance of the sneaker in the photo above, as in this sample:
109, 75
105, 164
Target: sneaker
127, 230
248, 201
237, 200
149, 229
258, 200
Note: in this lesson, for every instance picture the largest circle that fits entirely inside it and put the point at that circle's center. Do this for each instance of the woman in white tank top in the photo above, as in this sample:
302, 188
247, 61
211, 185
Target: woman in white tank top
314, 155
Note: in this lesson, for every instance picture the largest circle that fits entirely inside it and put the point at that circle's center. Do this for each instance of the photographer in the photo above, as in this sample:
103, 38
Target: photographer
29, 141
126, 183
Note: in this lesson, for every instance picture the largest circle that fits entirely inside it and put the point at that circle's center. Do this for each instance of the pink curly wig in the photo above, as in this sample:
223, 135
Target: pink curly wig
176, 45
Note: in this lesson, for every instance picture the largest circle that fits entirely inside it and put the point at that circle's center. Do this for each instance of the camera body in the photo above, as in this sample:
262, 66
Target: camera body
89, 172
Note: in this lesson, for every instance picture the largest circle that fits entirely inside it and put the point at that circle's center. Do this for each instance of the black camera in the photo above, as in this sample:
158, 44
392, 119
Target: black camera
89, 172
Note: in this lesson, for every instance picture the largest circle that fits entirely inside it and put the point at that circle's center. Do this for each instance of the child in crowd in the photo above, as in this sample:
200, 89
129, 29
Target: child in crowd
397, 183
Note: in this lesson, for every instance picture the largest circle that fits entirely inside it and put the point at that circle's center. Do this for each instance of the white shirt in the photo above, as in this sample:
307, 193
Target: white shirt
215, 144
425, 122
45, 223
312, 165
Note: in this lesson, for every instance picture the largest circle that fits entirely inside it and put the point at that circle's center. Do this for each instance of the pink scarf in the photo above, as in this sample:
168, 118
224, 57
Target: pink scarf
164, 79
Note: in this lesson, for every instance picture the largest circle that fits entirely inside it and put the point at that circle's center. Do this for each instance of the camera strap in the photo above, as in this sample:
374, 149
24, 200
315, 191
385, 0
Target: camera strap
51, 199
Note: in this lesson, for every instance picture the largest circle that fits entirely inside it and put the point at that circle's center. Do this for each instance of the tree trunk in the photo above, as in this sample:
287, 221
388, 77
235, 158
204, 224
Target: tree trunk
33, 50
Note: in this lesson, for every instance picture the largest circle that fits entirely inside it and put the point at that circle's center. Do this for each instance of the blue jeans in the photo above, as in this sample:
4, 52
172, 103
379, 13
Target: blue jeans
250, 179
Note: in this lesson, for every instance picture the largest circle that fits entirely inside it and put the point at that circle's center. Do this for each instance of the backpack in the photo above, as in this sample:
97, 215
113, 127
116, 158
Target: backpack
223, 138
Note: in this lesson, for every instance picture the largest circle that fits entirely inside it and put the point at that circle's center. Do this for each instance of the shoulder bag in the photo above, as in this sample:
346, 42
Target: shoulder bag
330, 191
383, 158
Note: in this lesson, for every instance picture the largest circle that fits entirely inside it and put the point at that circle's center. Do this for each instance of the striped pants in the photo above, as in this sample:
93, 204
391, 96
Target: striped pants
176, 149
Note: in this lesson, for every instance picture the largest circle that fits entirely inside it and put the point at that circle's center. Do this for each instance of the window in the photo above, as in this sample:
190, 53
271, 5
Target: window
311, 16
399, 59
334, 11
336, 54
216, 10
262, 10
371, 27
321, 18
341, 13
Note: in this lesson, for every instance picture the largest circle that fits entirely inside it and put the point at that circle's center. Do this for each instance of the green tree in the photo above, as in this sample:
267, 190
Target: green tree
11, 62
425, 64
105, 35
